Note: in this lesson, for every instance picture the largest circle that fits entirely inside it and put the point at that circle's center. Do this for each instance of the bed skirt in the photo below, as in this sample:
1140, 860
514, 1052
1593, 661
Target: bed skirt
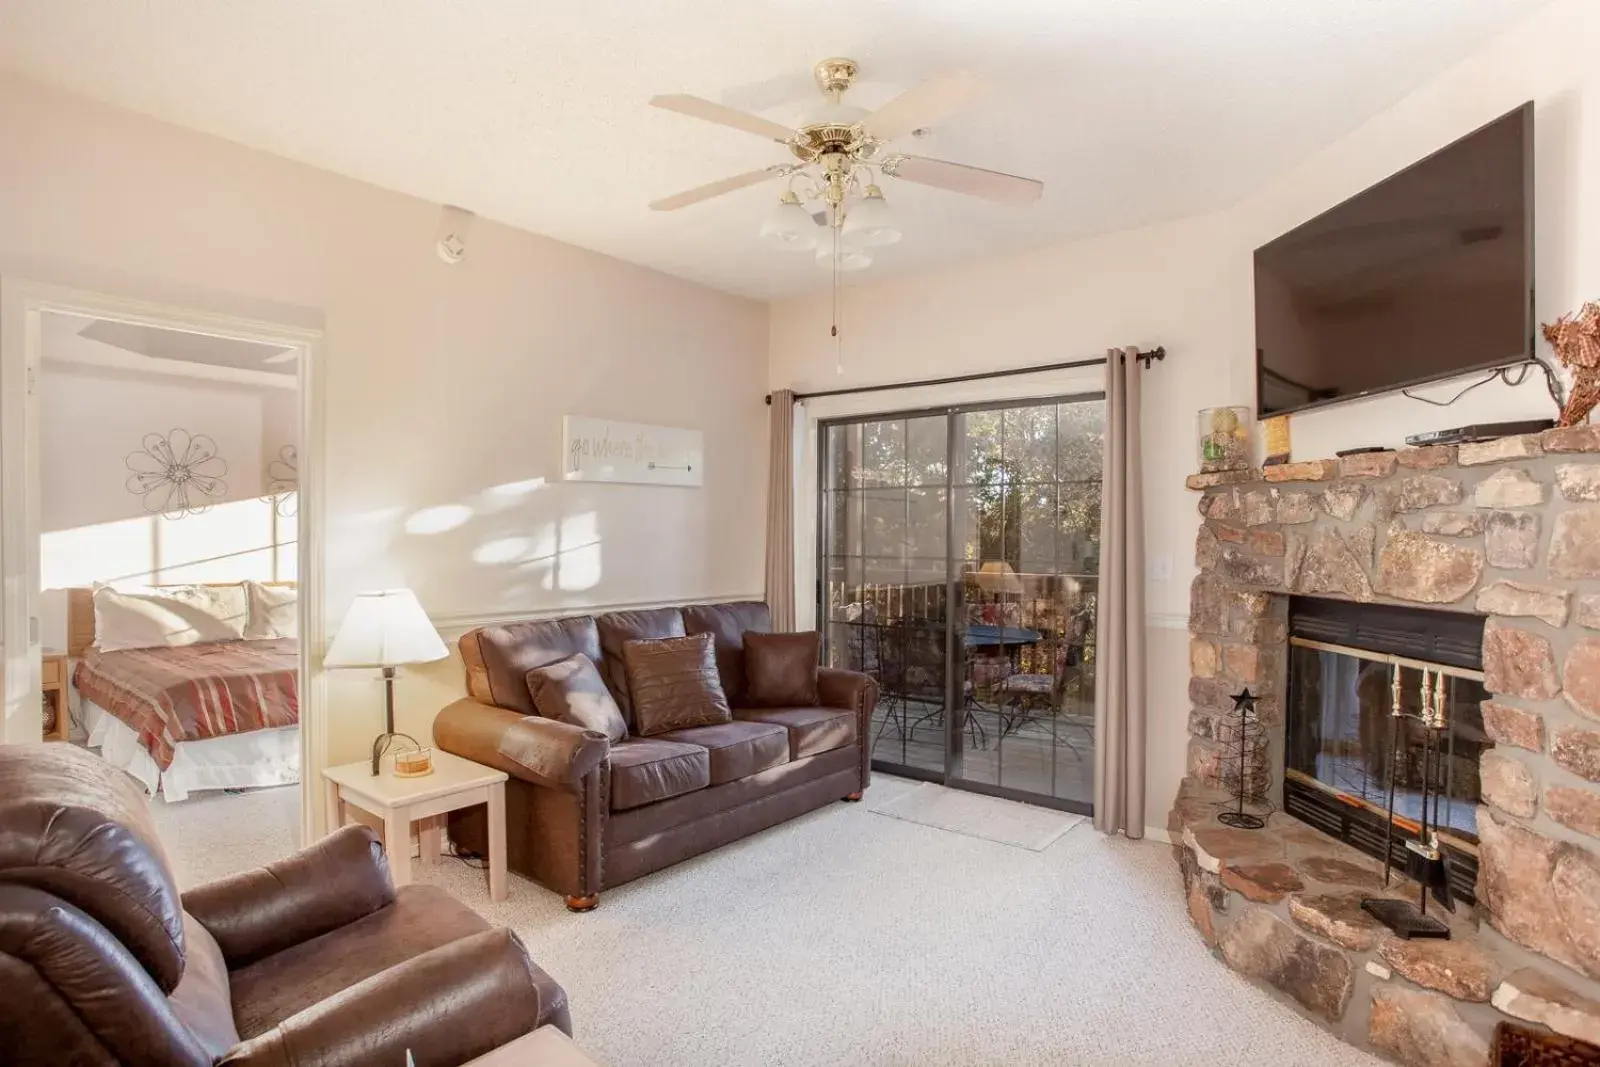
238, 761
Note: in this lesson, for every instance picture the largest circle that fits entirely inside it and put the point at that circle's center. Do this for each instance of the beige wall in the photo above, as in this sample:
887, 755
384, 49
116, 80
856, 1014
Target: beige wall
445, 385
1188, 286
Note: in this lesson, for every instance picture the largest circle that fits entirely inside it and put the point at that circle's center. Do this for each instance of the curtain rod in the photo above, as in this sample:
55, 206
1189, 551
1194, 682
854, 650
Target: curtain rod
1147, 358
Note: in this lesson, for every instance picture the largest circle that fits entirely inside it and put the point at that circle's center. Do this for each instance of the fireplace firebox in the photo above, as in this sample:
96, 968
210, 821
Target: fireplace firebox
1349, 760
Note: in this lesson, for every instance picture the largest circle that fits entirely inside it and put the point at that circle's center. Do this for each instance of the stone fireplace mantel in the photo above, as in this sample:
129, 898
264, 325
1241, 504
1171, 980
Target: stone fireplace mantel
1510, 530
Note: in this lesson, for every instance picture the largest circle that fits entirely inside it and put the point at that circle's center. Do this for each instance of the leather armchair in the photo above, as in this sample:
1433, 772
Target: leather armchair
315, 959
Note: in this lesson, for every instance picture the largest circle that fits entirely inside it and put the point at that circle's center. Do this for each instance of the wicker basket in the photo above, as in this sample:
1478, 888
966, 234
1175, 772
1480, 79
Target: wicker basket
1521, 1046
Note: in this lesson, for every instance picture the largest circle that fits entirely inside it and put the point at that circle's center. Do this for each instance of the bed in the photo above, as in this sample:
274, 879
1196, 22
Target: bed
210, 715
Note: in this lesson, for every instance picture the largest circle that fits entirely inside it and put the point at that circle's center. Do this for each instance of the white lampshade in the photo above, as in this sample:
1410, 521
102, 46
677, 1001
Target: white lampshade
850, 256
869, 223
385, 629
848, 259
996, 576
789, 226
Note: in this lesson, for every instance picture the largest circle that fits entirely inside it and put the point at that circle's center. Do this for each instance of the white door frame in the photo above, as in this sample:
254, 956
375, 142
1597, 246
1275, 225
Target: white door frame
22, 303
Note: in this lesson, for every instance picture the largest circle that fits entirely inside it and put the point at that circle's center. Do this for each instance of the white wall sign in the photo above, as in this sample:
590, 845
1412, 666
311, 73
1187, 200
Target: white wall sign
602, 450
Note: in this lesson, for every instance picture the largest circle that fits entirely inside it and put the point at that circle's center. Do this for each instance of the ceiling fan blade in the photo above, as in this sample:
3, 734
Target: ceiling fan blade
706, 192
722, 115
923, 105
960, 178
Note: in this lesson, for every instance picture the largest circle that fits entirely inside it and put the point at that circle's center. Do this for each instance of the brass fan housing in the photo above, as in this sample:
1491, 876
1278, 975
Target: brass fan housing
812, 143
835, 75
815, 142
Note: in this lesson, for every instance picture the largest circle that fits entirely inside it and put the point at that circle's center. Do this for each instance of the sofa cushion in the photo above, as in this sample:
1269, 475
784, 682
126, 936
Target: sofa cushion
674, 684
647, 769
727, 623
498, 658
781, 669
738, 749
616, 629
570, 691
811, 730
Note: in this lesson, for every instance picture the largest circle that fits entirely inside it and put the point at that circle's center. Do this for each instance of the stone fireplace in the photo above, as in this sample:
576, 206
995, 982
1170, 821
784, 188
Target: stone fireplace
1306, 565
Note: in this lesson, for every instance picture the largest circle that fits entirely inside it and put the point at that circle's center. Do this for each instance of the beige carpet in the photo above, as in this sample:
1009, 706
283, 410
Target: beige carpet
847, 938
990, 818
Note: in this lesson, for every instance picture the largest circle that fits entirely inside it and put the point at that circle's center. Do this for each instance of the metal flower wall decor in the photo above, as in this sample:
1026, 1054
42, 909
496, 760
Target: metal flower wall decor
177, 474
283, 481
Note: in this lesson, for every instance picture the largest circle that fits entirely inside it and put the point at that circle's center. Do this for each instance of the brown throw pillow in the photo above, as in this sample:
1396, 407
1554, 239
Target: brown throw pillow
674, 684
570, 690
780, 670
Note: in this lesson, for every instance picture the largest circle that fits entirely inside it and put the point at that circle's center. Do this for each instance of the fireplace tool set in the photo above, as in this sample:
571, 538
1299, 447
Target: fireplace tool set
1424, 861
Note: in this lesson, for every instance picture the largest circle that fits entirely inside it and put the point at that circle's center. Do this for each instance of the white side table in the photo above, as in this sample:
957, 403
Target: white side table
455, 783
544, 1047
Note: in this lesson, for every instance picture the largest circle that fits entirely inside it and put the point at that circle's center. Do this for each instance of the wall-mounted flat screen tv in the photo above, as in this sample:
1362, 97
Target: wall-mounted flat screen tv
1424, 276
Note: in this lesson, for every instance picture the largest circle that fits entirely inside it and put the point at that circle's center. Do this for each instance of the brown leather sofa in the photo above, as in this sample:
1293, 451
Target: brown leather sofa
312, 960
585, 814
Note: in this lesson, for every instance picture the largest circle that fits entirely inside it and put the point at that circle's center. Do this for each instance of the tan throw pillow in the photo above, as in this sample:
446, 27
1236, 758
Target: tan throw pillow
674, 684
570, 691
780, 670
274, 611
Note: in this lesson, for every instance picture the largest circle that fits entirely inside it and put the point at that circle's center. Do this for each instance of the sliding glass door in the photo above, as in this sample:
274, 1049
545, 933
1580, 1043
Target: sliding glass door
958, 550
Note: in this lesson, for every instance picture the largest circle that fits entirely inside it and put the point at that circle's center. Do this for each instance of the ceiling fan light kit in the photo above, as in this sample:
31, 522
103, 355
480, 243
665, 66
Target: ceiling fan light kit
789, 226
847, 259
870, 222
841, 157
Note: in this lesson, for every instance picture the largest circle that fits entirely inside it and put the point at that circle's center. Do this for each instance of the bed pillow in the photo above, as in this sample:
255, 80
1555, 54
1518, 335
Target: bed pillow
674, 684
167, 618
274, 611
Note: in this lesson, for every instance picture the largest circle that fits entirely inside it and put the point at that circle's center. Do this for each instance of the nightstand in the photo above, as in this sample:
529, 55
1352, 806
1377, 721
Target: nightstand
455, 783
53, 685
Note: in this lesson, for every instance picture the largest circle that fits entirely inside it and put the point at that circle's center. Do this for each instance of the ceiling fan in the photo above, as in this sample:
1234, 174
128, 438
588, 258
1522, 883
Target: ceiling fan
840, 152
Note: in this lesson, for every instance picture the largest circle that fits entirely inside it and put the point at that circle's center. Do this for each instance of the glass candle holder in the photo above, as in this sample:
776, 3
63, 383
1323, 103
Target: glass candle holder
1224, 438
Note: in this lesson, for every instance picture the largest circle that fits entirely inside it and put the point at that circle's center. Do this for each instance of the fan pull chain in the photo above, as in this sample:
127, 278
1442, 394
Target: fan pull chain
838, 342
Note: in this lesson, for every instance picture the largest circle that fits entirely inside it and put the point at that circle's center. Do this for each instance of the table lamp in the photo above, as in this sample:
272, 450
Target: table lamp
386, 629
996, 576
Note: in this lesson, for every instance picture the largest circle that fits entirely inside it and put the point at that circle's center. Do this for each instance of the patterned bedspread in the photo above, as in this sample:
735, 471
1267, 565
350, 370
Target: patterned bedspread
170, 695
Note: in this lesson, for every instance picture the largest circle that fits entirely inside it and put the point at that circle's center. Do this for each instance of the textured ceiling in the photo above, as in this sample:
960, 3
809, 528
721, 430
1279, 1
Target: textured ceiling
534, 114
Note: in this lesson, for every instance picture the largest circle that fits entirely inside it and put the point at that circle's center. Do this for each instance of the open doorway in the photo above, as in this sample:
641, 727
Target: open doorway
155, 569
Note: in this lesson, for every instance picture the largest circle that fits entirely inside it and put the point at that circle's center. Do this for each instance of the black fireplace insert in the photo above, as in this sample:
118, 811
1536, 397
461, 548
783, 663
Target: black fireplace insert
1347, 757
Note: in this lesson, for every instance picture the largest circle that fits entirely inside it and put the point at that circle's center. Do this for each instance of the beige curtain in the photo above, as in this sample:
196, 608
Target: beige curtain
1119, 719
780, 512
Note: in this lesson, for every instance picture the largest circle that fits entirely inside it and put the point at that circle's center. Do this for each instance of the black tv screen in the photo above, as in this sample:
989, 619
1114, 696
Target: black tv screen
1424, 276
